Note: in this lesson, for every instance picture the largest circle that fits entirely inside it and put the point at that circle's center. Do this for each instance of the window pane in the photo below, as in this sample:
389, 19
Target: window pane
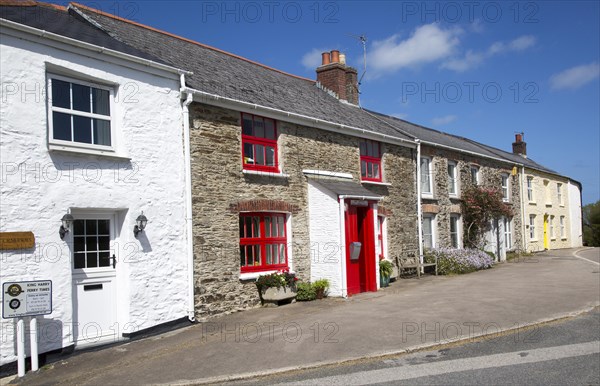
248, 226
370, 148
79, 261
79, 244
256, 227
92, 260
248, 154
269, 249
363, 148
269, 129
270, 156
104, 259
363, 168
61, 94
82, 129
103, 243
268, 226
103, 227
91, 243
78, 227
247, 124
242, 255
101, 132
369, 170
375, 170
257, 257
61, 125
90, 227
375, 149
100, 101
281, 227
259, 153
281, 253
259, 127
81, 97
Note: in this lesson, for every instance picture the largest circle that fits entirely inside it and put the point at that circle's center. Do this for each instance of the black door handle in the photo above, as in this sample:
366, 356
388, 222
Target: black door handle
114, 259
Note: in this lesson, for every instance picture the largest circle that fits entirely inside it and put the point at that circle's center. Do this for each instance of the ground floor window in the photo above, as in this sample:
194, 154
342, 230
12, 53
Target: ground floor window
428, 231
507, 233
455, 231
532, 227
262, 242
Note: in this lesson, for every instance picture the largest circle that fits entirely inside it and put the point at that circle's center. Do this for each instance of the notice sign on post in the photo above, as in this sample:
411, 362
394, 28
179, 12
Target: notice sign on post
26, 298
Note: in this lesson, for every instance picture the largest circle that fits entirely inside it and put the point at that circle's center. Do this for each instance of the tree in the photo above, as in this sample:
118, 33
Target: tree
591, 224
480, 207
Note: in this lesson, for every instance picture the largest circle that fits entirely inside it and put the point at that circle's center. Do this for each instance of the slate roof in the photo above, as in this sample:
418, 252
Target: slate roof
57, 20
227, 75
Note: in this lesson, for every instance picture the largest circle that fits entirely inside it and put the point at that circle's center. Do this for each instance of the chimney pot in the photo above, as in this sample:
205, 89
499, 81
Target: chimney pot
335, 56
325, 58
518, 138
343, 59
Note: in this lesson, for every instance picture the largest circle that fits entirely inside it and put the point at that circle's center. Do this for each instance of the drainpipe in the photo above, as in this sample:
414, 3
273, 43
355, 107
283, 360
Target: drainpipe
343, 278
419, 207
188, 200
523, 219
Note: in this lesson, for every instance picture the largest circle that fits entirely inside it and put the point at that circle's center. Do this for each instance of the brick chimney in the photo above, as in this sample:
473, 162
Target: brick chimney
334, 75
520, 147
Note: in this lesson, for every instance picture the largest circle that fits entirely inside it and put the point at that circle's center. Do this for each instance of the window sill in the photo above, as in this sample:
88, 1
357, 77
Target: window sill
326, 173
532, 203
265, 174
506, 200
78, 150
380, 183
548, 204
428, 196
563, 238
254, 275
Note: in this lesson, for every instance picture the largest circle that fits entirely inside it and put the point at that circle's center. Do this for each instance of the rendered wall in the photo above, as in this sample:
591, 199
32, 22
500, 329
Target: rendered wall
39, 186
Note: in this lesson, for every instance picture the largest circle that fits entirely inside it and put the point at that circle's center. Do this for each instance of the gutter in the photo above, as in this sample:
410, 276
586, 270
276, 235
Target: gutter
188, 200
300, 119
90, 47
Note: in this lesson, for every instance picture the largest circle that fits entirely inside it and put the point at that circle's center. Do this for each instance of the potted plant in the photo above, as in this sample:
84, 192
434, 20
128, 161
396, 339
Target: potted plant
321, 286
277, 286
386, 269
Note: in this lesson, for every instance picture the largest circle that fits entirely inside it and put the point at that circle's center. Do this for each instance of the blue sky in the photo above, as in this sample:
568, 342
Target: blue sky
484, 70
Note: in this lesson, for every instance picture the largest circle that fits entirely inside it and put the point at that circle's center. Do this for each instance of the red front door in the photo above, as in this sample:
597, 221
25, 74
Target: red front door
360, 272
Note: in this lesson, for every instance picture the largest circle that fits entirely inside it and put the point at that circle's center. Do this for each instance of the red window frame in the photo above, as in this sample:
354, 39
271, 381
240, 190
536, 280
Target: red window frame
370, 160
253, 227
259, 140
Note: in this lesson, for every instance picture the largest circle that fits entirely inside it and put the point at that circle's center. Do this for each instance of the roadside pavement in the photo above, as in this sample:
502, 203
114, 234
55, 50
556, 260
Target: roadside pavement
410, 314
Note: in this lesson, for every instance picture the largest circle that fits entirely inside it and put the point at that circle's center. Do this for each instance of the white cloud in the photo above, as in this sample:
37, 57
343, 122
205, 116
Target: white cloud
439, 121
428, 43
473, 59
312, 59
575, 77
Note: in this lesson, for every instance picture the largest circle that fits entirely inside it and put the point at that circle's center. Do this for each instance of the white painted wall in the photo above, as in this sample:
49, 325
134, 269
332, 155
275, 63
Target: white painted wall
39, 186
326, 248
574, 195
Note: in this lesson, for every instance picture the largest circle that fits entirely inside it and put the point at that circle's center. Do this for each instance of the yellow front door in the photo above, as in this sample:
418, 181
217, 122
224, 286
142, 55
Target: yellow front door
546, 246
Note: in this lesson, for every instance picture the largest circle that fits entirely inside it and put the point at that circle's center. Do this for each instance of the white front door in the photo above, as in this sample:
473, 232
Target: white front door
94, 267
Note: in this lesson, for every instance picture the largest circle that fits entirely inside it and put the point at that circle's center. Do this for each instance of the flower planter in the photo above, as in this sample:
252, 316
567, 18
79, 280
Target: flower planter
274, 295
383, 281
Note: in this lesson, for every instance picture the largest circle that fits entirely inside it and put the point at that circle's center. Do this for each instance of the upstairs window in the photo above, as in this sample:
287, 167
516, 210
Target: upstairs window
262, 242
259, 143
80, 113
559, 193
370, 160
474, 175
530, 197
426, 187
452, 180
505, 196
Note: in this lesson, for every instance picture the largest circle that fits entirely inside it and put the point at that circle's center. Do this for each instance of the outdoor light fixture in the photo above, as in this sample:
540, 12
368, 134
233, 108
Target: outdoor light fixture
67, 219
140, 222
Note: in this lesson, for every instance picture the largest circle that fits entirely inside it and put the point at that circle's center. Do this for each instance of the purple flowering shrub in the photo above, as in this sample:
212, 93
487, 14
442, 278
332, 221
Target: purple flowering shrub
457, 261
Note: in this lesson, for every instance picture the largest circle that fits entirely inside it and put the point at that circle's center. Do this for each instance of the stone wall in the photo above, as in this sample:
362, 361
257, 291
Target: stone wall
219, 184
443, 205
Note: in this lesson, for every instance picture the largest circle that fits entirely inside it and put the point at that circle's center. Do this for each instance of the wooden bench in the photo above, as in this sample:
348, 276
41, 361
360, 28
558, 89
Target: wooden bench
408, 263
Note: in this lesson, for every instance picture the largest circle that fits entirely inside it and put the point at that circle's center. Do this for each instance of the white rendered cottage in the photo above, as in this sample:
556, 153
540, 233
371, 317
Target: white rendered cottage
91, 131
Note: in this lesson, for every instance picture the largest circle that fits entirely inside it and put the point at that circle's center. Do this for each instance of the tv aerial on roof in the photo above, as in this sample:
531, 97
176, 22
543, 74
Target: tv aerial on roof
363, 40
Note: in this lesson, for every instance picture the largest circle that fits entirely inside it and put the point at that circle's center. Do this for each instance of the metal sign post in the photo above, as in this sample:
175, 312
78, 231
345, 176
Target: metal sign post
26, 299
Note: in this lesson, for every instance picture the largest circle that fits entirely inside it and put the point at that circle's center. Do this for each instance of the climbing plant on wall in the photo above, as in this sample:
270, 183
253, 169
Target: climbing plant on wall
481, 206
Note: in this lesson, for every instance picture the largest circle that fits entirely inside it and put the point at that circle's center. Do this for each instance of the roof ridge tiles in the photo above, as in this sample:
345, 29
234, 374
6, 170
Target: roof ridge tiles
31, 3
109, 15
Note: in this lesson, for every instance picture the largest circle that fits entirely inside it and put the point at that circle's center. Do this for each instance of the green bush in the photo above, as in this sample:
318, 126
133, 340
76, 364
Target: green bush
305, 292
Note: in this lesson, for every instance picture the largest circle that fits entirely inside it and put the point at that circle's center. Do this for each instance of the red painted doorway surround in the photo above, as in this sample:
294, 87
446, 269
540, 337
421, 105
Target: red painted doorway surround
360, 272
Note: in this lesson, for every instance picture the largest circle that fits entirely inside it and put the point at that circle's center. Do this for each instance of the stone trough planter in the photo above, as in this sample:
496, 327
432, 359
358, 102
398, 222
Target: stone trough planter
274, 296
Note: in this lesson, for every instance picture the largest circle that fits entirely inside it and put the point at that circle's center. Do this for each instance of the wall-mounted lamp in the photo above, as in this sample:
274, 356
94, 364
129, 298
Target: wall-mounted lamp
140, 222
66, 220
